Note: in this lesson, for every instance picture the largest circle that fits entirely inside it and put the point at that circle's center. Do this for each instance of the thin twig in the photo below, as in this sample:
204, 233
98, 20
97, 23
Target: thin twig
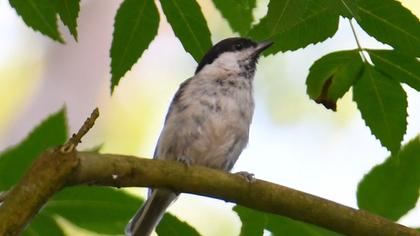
75, 139
357, 41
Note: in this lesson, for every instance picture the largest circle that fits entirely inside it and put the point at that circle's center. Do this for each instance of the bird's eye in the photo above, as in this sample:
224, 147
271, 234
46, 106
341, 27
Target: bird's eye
238, 46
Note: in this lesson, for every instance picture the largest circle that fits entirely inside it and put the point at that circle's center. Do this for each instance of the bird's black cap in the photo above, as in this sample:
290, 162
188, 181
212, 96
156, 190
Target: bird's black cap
226, 45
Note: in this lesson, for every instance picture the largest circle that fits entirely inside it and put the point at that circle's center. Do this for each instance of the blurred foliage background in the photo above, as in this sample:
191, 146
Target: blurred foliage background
293, 141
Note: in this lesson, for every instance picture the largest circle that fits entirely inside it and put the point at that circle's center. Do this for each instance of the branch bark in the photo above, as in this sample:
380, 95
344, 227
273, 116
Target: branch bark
76, 168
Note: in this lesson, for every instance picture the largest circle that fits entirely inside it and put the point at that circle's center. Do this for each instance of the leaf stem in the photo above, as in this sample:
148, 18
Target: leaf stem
357, 41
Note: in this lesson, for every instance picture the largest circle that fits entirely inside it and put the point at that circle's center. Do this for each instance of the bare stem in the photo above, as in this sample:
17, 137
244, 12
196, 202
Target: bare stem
75, 139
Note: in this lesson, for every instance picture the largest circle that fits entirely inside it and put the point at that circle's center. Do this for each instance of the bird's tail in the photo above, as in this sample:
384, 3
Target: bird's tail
149, 215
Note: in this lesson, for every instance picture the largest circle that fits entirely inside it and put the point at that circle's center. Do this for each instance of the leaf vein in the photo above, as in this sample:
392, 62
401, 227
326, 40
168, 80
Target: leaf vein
389, 23
132, 33
197, 42
51, 28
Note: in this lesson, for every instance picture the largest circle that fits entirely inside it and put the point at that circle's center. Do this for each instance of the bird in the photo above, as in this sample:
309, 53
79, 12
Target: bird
207, 122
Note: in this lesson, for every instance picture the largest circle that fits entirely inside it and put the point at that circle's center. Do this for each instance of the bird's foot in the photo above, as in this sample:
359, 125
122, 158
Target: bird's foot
185, 160
249, 177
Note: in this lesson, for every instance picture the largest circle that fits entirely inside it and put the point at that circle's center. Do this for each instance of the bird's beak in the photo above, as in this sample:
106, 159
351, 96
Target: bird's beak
261, 46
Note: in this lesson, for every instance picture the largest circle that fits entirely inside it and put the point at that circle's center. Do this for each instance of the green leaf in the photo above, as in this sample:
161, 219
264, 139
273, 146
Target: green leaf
280, 225
40, 15
189, 25
398, 66
281, 15
16, 160
238, 13
254, 222
331, 76
391, 189
308, 22
43, 225
383, 105
68, 10
346, 8
170, 225
100, 209
136, 25
104, 210
391, 23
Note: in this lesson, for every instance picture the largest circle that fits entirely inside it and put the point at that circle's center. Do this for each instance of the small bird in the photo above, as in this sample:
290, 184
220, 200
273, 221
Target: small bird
207, 122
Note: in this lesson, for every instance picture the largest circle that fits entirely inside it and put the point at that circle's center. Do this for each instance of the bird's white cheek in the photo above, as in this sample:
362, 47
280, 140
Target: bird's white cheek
227, 61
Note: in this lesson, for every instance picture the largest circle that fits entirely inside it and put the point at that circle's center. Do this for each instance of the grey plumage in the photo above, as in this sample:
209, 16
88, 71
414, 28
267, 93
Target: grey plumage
207, 122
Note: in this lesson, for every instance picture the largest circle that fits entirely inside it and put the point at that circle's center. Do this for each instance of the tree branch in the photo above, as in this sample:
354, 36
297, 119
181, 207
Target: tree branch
45, 177
77, 168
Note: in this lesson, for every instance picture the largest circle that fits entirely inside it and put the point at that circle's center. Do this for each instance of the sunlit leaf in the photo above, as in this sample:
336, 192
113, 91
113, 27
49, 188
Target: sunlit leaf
100, 209
40, 15
311, 22
171, 225
238, 13
398, 66
391, 189
136, 25
281, 15
105, 210
255, 222
383, 105
346, 8
189, 25
69, 11
391, 23
43, 224
331, 76
16, 160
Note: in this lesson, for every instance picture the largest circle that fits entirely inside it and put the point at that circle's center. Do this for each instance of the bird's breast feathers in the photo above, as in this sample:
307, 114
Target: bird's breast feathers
209, 121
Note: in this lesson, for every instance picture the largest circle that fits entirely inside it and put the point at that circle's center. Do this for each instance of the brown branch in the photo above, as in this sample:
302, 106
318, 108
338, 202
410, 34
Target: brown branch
46, 176
64, 166
124, 171
75, 139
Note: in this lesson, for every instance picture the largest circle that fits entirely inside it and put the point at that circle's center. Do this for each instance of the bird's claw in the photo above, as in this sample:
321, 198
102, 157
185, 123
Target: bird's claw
249, 177
185, 160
